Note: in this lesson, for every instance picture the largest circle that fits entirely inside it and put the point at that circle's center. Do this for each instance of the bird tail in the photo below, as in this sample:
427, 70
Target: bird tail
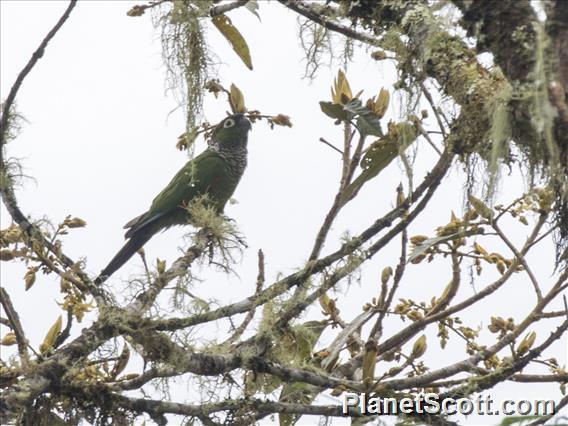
126, 252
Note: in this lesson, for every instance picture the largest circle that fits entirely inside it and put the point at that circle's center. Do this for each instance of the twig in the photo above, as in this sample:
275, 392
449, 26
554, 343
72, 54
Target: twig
7, 105
16, 326
355, 159
250, 315
501, 343
521, 258
426, 188
430, 100
405, 334
348, 168
142, 379
7, 191
226, 7
349, 331
337, 204
141, 9
248, 405
544, 235
554, 314
385, 301
330, 145
558, 406
539, 378
142, 255
144, 300
436, 174
491, 379
428, 138
309, 12
347, 139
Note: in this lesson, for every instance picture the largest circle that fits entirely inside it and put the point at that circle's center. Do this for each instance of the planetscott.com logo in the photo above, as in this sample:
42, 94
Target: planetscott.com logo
431, 403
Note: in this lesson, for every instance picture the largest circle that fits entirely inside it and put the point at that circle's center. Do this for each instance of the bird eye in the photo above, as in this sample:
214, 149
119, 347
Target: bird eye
228, 123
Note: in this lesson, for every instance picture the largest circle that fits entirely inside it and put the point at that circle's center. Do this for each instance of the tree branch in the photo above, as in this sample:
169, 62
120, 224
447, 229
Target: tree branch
16, 326
7, 104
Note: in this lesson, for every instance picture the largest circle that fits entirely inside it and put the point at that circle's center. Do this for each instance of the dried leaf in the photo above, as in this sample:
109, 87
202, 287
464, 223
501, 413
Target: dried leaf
381, 104
30, 277
51, 335
479, 250
234, 37
9, 339
369, 361
282, 120
6, 255
75, 222
341, 91
379, 55
328, 305
160, 266
419, 347
136, 11
526, 343
480, 207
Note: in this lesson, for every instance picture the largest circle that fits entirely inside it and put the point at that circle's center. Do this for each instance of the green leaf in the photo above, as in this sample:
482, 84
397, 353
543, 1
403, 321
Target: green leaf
234, 37
367, 122
369, 125
335, 111
380, 154
356, 107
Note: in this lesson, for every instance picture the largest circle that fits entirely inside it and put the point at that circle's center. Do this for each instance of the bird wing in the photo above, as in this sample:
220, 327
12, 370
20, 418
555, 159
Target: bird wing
193, 179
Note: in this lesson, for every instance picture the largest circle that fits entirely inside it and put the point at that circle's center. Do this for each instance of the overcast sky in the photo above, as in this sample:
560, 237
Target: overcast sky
100, 144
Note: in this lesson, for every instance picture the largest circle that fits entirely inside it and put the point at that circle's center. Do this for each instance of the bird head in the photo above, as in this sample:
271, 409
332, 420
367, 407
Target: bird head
232, 131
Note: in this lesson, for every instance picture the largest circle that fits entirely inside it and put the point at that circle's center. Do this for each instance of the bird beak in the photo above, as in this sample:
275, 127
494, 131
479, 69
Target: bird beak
248, 124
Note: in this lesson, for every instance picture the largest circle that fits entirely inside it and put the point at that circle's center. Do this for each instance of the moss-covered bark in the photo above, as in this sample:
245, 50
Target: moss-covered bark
499, 23
448, 60
523, 101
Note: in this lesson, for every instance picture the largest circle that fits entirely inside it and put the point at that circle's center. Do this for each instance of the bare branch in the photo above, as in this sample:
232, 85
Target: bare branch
16, 326
226, 7
309, 12
250, 315
331, 145
7, 105
521, 258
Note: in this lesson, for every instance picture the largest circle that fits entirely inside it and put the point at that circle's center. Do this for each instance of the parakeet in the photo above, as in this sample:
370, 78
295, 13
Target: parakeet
215, 173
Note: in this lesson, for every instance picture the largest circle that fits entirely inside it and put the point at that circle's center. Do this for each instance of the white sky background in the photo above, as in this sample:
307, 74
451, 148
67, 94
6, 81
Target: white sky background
100, 144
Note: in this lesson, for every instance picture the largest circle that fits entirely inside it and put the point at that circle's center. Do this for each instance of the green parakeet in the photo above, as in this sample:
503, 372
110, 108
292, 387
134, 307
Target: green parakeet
215, 173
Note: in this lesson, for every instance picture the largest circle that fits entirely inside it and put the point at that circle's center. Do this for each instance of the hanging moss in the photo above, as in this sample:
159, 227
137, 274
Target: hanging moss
186, 54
